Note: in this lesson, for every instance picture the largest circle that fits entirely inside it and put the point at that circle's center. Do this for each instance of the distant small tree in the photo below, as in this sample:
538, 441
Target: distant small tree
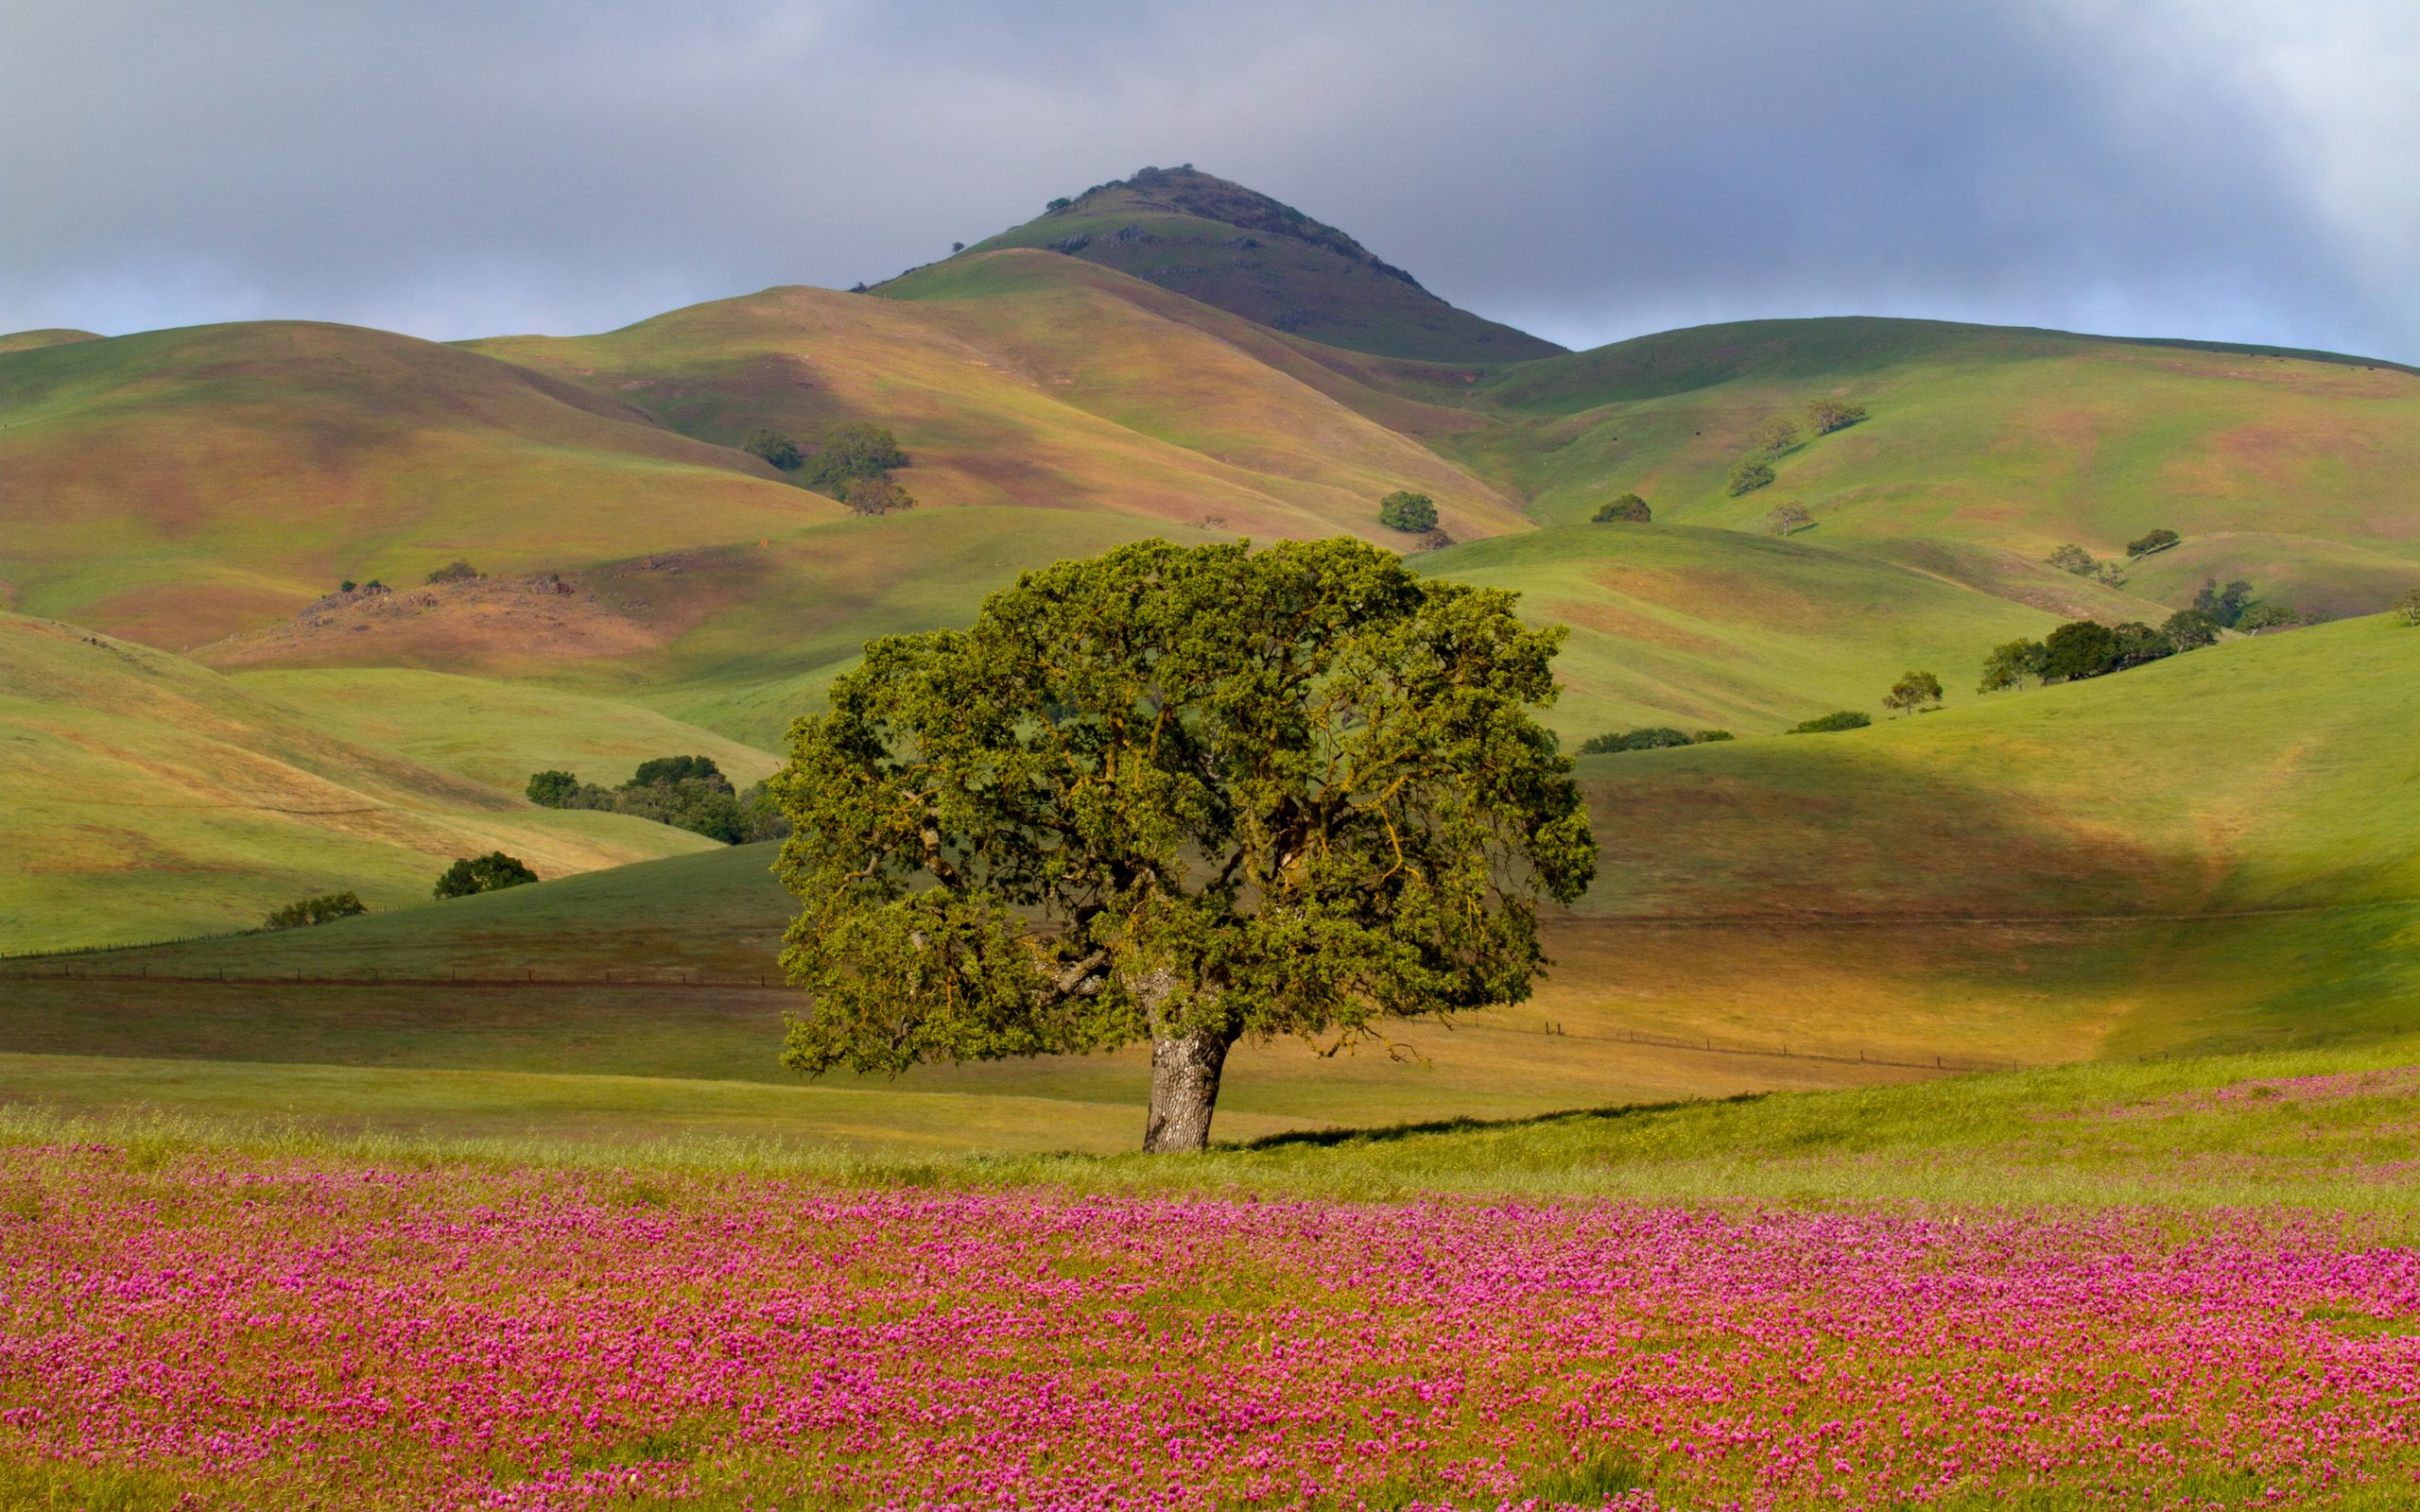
1707, 737
679, 769
345, 586
2138, 642
491, 873
1655, 737
2084, 648
456, 571
1773, 436
2407, 609
1825, 416
551, 789
2267, 617
1787, 518
856, 450
1914, 693
773, 447
2010, 665
2225, 606
2072, 559
2189, 630
1827, 724
1406, 510
957, 248
876, 495
319, 910
1628, 508
1749, 477
2156, 540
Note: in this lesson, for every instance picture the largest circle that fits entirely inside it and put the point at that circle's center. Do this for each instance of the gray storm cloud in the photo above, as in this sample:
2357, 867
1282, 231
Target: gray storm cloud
2216, 168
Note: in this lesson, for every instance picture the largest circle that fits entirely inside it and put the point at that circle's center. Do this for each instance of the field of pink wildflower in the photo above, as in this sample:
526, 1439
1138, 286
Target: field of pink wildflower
277, 1332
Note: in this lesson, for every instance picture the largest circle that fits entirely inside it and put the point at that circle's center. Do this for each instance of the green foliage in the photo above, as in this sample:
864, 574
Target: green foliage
1749, 477
1172, 793
319, 910
773, 447
1773, 436
2155, 541
2138, 642
678, 769
2406, 607
1708, 737
2011, 663
2082, 648
876, 495
1406, 510
2222, 606
2189, 630
2267, 617
1913, 691
491, 873
345, 586
552, 789
456, 571
856, 450
1788, 518
1654, 737
1825, 416
1827, 724
1628, 508
2073, 559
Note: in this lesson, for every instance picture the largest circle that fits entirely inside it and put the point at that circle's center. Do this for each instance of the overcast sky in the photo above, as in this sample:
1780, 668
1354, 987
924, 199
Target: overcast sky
2236, 169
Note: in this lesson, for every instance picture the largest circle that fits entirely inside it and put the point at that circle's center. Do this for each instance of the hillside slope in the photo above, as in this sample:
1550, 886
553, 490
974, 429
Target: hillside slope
148, 797
1237, 250
2011, 440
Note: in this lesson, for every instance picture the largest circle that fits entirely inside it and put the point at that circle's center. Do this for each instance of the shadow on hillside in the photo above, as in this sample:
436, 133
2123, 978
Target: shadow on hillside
1390, 1133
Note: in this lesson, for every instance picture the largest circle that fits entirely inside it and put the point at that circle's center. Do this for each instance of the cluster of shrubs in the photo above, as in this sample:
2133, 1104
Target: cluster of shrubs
2074, 558
1654, 737
374, 586
2087, 648
685, 792
2235, 609
1779, 434
1827, 724
2407, 609
493, 872
319, 910
853, 463
1626, 510
456, 571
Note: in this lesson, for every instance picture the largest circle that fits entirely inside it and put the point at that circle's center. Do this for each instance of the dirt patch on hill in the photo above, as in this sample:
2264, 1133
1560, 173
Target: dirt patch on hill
547, 617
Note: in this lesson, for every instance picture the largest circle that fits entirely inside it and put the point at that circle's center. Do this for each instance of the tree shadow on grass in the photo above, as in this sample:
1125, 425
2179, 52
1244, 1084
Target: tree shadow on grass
1391, 1133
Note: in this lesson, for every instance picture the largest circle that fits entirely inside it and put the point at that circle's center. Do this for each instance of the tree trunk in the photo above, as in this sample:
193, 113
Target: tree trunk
1184, 1090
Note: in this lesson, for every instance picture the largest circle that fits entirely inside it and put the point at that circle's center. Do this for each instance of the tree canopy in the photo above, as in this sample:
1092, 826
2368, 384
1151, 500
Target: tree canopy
1406, 510
491, 873
2143, 545
856, 450
1749, 477
773, 447
2406, 607
1627, 509
1914, 693
1178, 796
1829, 415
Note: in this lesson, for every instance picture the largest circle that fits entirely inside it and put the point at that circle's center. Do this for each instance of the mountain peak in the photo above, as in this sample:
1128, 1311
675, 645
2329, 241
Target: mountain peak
1214, 240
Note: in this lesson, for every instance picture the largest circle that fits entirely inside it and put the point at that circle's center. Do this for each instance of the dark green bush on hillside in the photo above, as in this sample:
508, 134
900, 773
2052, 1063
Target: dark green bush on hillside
2189, 630
1406, 510
2406, 607
1628, 509
2225, 606
552, 789
319, 910
1845, 719
2072, 559
2084, 648
2156, 540
2268, 617
856, 450
1828, 415
679, 769
1914, 693
2009, 665
493, 872
456, 571
876, 495
773, 447
1749, 477
1653, 738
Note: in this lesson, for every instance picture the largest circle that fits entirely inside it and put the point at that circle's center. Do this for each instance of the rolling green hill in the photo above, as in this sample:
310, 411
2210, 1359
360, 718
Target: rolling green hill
150, 797
1231, 248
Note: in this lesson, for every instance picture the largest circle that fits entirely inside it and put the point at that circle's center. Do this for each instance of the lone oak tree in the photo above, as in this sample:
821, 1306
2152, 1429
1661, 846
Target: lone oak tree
1177, 794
